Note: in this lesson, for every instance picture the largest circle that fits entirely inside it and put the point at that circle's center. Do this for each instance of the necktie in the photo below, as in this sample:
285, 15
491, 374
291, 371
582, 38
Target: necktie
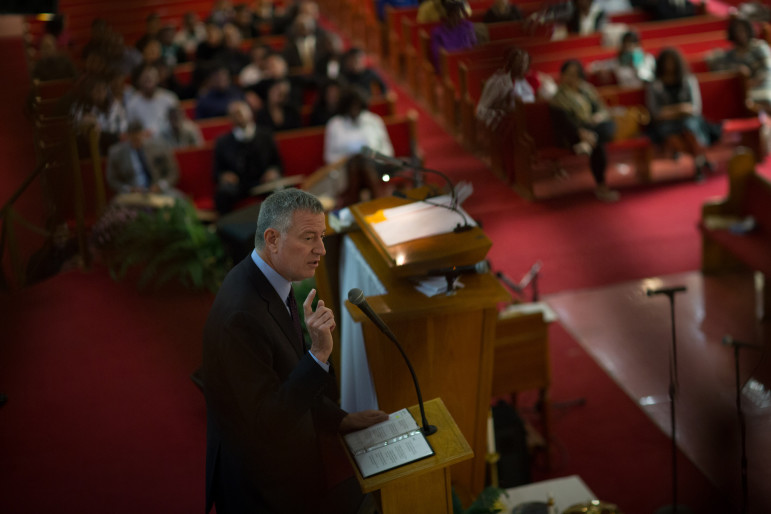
292, 304
145, 169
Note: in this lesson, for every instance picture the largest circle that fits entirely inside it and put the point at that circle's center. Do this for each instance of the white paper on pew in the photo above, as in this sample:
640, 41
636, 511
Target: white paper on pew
418, 220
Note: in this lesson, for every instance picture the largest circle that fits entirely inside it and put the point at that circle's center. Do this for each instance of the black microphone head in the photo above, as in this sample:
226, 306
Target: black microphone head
367, 152
649, 292
728, 340
356, 296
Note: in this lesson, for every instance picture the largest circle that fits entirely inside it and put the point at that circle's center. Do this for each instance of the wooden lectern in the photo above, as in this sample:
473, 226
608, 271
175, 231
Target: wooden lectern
424, 486
448, 338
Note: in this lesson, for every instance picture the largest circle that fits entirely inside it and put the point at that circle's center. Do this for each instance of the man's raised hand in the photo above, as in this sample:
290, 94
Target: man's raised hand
320, 323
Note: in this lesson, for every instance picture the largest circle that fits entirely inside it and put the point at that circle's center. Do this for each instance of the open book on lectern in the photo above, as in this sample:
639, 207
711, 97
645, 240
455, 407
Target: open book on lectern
387, 445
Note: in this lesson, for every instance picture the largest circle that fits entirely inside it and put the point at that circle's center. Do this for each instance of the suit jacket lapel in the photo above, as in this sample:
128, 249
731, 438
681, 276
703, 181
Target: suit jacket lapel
276, 306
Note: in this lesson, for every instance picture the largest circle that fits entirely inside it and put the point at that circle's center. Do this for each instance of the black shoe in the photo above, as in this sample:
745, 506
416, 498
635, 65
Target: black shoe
698, 175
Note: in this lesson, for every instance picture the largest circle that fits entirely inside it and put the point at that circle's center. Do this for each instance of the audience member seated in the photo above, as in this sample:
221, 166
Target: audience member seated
151, 54
152, 29
231, 55
587, 17
353, 128
632, 67
221, 13
219, 94
302, 43
51, 63
97, 108
99, 31
264, 11
191, 34
253, 72
57, 27
666, 9
751, 57
501, 11
171, 53
583, 123
208, 49
244, 21
275, 69
514, 80
674, 102
244, 158
150, 104
380, 6
327, 103
454, 33
277, 112
181, 132
356, 73
431, 11
329, 57
141, 164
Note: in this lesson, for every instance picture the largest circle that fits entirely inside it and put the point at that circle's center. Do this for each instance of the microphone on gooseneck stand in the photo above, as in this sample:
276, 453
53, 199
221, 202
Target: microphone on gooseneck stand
356, 297
375, 156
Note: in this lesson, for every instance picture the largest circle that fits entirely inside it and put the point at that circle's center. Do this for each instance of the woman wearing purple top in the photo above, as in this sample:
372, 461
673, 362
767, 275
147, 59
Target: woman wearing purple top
454, 33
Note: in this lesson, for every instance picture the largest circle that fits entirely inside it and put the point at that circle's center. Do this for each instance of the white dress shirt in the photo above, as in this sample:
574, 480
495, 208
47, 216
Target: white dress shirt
153, 112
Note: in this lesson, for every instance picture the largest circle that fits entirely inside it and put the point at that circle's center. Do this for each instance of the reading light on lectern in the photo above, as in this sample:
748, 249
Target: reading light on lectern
386, 177
401, 259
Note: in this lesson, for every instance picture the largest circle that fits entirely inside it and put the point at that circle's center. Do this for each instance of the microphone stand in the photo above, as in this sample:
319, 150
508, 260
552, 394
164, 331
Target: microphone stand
742, 422
356, 297
426, 429
673, 386
742, 432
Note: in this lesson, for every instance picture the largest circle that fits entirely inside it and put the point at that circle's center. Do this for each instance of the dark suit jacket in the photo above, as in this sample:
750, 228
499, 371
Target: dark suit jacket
266, 402
160, 162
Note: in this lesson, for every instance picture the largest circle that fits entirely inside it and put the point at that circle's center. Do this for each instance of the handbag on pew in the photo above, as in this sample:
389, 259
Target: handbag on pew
629, 121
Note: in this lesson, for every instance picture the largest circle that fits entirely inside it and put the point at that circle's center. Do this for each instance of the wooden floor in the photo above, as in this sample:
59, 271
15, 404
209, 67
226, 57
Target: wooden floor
629, 334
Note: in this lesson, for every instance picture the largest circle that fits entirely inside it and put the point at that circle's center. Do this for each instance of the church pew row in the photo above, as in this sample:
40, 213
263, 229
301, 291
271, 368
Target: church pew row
473, 78
302, 153
534, 142
212, 128
421, 69
726, 251
457, 87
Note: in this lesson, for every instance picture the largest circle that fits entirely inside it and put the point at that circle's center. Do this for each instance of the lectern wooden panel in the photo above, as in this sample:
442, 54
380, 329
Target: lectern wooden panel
424, 486
448, 338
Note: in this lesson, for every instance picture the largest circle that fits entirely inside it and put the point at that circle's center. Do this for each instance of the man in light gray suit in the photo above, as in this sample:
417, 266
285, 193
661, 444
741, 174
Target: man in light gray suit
141, 164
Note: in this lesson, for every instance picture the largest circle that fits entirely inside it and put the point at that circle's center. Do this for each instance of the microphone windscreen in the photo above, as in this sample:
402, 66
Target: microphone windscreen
728, 340
356, 296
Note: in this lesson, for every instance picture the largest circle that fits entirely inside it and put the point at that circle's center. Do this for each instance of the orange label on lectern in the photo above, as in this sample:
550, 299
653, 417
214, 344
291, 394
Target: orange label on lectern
376, 217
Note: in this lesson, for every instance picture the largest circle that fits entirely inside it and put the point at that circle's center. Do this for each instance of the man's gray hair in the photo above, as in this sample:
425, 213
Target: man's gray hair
277, 210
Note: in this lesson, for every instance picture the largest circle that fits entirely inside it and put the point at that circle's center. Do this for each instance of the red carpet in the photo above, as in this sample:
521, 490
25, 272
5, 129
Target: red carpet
102, 415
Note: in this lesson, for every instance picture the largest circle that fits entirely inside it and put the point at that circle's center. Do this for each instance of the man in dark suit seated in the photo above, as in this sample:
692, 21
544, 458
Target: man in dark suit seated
268, 396
245, 157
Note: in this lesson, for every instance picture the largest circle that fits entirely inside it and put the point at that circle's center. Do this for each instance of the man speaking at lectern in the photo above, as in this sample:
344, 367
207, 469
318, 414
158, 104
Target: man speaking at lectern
268, 398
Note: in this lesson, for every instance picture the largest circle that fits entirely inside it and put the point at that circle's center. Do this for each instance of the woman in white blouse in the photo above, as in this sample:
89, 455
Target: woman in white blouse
353, 128
346, 133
